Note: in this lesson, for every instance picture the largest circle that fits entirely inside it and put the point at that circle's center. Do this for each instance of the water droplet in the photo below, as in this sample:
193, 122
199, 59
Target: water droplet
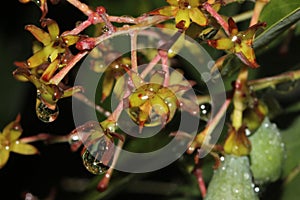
256, 189
246, 176
247, 132
205, 110
92, 164
222, 158
44, 113
98, 155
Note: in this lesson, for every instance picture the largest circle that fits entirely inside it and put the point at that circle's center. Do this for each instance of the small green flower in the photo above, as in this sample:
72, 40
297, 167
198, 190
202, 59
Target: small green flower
185, 12
51, 49
239, 42
9, 142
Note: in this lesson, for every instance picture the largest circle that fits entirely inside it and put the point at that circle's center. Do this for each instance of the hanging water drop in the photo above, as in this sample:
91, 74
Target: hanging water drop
44, 113
92, 164
97, 156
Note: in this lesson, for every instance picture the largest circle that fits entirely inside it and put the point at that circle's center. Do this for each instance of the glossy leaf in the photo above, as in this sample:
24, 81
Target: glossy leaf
277, 22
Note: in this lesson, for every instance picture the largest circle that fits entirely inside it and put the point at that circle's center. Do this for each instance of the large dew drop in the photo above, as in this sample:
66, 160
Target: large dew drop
98, 155
92, 164
44, 113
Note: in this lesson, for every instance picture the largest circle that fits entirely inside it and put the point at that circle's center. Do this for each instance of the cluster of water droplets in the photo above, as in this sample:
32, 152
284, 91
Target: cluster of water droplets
268, 152
232, 180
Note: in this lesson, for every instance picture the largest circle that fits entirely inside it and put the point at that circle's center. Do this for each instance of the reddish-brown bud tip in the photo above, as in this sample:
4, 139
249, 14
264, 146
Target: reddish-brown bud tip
100, 10
86, 44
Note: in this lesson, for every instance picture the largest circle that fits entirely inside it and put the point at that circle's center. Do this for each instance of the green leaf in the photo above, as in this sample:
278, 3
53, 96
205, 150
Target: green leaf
291, 139
282, 9
278, 20
291, 190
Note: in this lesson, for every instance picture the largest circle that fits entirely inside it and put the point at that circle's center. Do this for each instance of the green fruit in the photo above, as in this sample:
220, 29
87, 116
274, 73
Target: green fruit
267, 154
232, 180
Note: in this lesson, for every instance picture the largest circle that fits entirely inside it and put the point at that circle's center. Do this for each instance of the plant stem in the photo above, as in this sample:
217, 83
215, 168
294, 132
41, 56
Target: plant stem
203, 138
259, 5
217, 16
263, 83
133, 44
65, 70
243, 16
49, 138
240, 98
103, 184
88, 102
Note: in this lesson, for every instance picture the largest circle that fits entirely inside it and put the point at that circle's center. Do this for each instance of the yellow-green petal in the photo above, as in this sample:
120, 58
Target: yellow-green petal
159, 106
4, 155
166, 11
48, 73
53, 55
173, 2
194, 3
108, 83
70, 39
222, 43
183, 15
246, 54
157, 77
144, 112
39, 34
23, 148
9, 133
53, 28
39, 57
198, 17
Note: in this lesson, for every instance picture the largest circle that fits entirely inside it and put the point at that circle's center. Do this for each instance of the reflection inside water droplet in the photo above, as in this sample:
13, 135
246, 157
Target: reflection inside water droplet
44, 113
92, 164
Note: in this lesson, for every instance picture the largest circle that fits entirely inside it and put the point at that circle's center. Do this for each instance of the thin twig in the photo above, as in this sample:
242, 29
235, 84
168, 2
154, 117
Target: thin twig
133, 44
243, 16
103, 184
88, 102
263, 83
65, 70
49, 138
217, 16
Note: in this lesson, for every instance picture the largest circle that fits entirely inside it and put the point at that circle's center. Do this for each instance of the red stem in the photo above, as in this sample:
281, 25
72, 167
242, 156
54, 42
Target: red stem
200, 180
217, 16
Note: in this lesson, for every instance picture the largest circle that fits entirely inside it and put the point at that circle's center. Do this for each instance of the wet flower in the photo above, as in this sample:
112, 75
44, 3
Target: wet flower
185, 12
239, 42
152, 104
51, 51
237, 143
112, 70
9, 142
47, 94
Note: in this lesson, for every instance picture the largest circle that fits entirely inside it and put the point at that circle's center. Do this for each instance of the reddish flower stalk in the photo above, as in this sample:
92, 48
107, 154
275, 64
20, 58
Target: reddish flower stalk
133, 44
103, 184
259, 5
217, 16
62, 73
198, 174
48, 138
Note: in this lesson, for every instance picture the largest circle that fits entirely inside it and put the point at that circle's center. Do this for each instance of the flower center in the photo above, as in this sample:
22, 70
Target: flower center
184, 5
